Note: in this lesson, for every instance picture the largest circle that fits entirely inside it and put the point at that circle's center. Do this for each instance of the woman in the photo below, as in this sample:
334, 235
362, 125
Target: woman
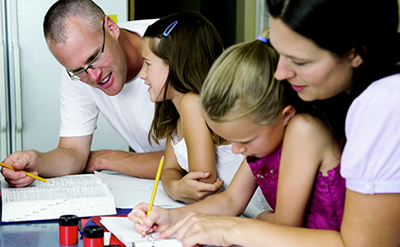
326, 48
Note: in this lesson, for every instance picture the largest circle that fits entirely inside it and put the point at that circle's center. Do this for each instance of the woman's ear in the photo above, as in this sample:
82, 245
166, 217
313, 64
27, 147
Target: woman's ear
112, 27
287, 113
355, 58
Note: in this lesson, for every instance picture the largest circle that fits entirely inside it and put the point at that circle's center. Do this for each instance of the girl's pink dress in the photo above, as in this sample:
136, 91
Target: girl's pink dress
326, 204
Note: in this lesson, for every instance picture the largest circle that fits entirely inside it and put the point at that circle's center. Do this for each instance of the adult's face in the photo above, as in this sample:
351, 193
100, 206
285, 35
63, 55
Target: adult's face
108, 71
314, 73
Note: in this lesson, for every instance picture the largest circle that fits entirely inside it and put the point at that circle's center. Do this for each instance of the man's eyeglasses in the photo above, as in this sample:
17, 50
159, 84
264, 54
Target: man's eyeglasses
83, 72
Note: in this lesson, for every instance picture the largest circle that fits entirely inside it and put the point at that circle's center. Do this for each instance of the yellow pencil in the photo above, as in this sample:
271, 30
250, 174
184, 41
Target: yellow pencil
27, 173
153, 195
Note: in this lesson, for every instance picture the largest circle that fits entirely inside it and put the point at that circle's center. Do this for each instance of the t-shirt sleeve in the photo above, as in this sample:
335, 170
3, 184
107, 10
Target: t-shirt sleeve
371, 157
78, 110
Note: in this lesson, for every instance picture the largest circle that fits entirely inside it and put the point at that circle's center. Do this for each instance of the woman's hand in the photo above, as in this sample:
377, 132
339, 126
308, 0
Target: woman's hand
202, 229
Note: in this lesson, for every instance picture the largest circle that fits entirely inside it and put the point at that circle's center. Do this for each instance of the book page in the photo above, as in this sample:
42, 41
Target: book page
60, 188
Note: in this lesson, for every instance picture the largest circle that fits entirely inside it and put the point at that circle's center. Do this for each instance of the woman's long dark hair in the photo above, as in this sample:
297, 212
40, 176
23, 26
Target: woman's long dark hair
370, 27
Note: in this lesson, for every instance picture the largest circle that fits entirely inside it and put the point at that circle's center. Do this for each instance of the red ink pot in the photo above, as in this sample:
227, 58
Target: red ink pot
93, 236
68, 229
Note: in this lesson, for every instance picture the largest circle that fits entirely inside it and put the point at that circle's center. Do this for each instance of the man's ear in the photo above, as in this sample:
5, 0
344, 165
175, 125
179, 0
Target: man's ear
112, 27
287, 113
355, 58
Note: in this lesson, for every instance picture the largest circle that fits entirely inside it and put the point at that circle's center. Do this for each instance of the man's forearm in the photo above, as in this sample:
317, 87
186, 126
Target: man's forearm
59, 162
143, 165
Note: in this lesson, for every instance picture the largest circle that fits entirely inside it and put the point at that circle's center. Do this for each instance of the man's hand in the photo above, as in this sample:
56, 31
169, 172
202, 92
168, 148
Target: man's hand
24, 160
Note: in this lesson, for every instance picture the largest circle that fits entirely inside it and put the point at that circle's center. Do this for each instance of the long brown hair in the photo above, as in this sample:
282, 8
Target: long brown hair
189, 49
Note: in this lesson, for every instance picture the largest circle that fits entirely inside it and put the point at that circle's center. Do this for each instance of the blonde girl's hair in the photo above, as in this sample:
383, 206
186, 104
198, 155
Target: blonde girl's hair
241, 84
189, 49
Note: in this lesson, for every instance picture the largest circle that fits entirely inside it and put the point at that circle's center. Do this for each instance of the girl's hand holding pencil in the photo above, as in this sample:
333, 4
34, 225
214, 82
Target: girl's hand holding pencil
154, 222
148, 219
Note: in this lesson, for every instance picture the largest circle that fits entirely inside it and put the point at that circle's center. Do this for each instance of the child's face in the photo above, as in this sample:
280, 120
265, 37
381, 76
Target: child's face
249, 138
154, 72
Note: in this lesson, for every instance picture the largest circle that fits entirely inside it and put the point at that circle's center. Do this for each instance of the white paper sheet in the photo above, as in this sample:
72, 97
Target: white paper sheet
129, 191
123, 229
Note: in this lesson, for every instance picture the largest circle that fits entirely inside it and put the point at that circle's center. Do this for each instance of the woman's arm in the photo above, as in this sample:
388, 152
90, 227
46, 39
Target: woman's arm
369, 221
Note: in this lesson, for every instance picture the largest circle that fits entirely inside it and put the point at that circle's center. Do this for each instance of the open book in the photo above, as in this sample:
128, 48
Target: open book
83, 195
122, 228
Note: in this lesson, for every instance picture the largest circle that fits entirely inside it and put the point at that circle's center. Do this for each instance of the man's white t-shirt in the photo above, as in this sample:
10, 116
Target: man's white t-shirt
130, 112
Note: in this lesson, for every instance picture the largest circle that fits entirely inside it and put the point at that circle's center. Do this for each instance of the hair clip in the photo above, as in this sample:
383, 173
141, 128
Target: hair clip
263, 39
169, 28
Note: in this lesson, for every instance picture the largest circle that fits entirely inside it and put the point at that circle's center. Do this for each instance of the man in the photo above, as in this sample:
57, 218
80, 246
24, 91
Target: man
102, 63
